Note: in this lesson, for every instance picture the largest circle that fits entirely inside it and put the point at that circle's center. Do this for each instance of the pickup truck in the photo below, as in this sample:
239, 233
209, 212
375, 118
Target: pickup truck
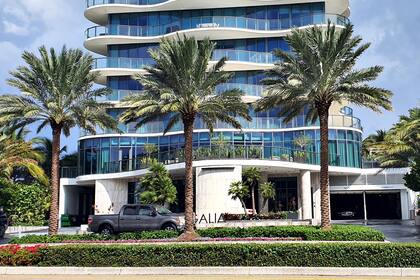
134, 217
3, 222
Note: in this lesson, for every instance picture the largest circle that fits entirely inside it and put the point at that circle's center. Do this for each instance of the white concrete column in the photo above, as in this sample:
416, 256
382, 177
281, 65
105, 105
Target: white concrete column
305, 195
405, 207
110, 196
212, 187
316, 198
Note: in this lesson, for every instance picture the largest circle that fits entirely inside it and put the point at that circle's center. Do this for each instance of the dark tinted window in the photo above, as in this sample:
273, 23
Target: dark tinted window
130, 210
145, 211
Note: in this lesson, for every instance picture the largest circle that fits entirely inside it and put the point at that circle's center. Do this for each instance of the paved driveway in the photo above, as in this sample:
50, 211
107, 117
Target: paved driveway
402, 231
188, 277
394, 230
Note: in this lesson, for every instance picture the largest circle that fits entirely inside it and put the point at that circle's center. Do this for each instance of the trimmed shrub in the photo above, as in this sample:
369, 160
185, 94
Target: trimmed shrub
36, 239
159, 234
338, 233
279, 254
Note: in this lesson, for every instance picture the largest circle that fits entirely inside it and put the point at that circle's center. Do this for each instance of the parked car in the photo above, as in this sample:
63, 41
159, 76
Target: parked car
346, 214
3, 222
136, 218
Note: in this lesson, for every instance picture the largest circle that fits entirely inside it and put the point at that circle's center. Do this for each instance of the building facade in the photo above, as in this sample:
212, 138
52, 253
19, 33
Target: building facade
246, 32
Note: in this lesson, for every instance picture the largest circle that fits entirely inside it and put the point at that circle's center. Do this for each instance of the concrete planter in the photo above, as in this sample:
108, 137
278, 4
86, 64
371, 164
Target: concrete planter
417, 220
256, 223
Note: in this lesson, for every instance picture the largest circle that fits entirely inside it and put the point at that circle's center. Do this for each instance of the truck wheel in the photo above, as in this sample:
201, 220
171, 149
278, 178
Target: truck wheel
169, 226
106, 230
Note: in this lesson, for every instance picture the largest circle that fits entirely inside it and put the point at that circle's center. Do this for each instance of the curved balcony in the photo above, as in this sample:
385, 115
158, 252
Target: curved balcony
248, 89
138, 63
91, 3
213, 22
220, 152
98, 10
219, 27
257, 123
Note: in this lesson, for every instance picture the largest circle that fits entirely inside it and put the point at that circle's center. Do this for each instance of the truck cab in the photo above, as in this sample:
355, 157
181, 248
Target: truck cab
134, 217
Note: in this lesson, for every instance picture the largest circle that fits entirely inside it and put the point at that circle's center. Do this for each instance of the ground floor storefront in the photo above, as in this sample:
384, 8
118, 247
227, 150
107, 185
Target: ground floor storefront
367, 195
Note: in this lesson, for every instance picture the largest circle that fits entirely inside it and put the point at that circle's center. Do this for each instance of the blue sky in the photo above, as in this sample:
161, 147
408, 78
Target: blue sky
391, 26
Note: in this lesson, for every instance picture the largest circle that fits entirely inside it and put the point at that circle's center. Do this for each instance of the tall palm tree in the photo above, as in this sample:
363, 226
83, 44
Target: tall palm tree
56, 91
16, 153
318, 72
401, 143
252, 176
44, 145
182, 85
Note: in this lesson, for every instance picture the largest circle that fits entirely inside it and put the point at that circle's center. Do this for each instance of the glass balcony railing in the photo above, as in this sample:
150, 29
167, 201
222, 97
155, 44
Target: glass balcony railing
258, 123
137, 63
246, 56
214, 22
91, 3
248, 89
121, 62
216, 153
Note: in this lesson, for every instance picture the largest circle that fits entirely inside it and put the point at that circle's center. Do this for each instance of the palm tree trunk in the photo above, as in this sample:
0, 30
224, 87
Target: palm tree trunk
325, 195
253, 199
55, 180
244, 206
189, 191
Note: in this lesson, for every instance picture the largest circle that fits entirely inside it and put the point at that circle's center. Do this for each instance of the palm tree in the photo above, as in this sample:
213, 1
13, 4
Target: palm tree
237, 190
370, 143
182, 85
56, 92
318, 72
252, 176
44, 146
158, 187
16, 153
401, 144
267, 192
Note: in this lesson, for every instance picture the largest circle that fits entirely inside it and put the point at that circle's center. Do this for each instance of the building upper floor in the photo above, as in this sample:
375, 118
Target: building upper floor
98, 10
221, 23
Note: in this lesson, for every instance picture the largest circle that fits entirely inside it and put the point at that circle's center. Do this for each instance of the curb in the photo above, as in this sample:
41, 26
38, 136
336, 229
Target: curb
250, 271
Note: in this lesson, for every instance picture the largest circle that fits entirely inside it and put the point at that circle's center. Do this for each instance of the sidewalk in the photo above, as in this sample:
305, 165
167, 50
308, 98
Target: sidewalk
208, 272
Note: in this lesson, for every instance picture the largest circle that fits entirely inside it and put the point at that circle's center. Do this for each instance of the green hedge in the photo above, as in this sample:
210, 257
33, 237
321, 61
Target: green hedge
338, 233
278, 254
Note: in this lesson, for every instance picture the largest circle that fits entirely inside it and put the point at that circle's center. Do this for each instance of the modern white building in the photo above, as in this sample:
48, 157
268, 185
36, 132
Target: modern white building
246, 31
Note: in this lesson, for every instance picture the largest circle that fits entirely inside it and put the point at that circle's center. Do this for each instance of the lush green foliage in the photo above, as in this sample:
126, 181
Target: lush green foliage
237, 190
159, 234
267, 191
412, 179
158, 186
338, 233
16, 153
25, 204
285, 254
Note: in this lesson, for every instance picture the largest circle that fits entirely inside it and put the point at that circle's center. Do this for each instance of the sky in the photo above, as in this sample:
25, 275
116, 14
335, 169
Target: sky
391, 26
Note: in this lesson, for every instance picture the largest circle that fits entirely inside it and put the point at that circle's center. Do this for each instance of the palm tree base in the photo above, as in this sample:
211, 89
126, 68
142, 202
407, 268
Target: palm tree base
188, 236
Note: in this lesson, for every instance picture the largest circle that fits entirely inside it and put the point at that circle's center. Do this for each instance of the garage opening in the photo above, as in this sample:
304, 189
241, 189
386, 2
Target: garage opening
347, 206
383, 206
